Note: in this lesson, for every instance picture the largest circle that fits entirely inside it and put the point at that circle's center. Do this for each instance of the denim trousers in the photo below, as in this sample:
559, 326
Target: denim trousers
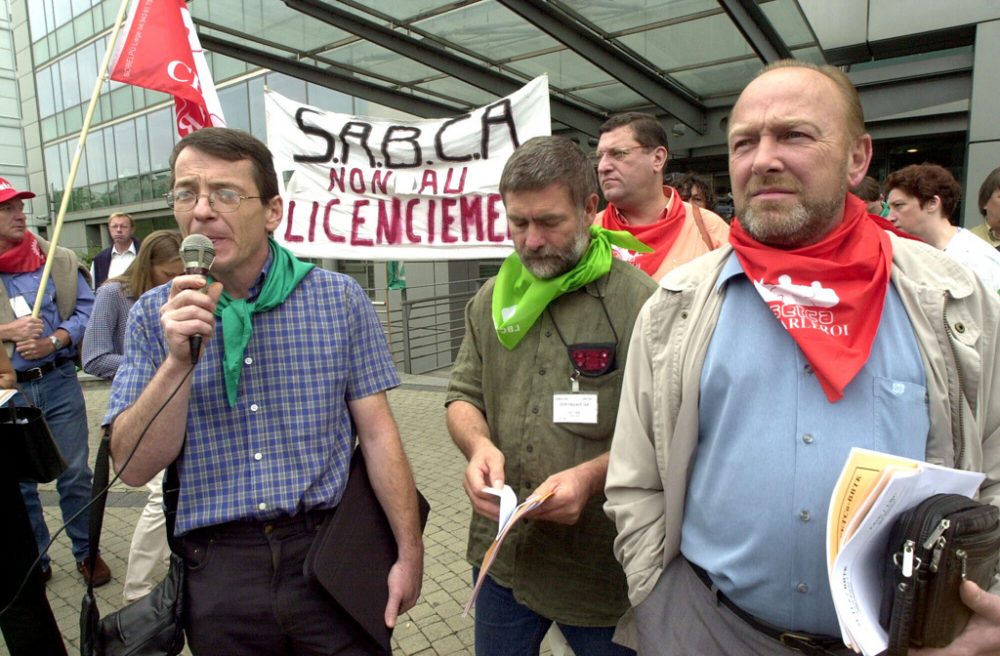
505, 627
59, 396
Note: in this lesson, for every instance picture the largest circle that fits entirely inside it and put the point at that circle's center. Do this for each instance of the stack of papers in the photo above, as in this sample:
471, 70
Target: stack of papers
873, 490
510, 513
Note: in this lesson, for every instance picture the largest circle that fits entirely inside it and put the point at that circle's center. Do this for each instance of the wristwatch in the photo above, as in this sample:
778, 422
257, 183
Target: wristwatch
55, 342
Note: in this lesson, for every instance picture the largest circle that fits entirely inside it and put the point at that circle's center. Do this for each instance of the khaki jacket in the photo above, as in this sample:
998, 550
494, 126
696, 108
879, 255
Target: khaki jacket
955, 321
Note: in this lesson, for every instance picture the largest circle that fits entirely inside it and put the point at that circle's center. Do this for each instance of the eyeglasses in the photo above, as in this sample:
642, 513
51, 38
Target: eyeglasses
221, 200
617, 154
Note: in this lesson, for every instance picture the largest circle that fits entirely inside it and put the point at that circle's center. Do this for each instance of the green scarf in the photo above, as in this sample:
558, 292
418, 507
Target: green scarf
519, 298
282, 278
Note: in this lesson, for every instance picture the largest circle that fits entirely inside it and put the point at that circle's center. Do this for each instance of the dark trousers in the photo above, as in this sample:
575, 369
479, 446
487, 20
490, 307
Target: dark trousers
246, 594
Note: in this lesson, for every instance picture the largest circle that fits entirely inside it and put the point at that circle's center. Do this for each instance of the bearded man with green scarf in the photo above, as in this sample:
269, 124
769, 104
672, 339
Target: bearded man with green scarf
262, 425
532, 402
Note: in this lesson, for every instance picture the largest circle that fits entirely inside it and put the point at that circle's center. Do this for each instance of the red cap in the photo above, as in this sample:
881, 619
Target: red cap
7, 192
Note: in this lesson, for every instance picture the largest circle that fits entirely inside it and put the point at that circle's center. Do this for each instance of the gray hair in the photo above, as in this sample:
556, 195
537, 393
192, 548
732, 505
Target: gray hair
543, 161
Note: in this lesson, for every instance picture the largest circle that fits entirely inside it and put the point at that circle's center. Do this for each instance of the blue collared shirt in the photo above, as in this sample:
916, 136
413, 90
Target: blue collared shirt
771, 447
26, 285
286, 445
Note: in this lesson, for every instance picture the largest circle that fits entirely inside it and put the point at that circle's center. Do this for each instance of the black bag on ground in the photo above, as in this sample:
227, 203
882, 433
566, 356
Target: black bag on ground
933, 547
152, 625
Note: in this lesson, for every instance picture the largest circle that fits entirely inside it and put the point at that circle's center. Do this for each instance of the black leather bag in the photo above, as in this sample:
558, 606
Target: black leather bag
933, 547
28, 444
152, 625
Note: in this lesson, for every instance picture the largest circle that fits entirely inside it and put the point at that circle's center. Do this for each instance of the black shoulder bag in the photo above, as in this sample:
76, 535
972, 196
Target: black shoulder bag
153, 625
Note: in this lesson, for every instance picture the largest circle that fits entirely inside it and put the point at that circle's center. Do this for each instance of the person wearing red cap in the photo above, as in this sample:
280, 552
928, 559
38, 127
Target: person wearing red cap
43, 350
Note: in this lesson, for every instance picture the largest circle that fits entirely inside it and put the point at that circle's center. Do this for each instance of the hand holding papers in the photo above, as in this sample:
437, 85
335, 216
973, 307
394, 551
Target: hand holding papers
510, 514
872, 491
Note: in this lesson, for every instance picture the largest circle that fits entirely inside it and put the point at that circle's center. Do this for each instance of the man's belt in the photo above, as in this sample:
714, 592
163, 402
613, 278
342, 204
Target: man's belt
807, 643
36, 373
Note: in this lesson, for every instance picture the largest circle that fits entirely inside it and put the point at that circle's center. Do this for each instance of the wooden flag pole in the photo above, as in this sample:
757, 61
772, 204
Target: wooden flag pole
71, 178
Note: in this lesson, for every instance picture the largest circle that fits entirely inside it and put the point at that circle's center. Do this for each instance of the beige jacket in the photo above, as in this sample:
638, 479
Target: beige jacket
955, 321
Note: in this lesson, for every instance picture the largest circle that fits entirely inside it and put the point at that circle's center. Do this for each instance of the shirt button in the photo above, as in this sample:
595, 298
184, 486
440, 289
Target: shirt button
808, 438
541, 372
805, 515
548, 333
253, 407
534, 410
528, 486
529, 448
261, 506
808, 369
802, 588
257, 456
248, 360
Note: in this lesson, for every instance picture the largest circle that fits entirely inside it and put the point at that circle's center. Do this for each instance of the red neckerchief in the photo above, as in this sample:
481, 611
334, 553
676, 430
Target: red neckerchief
828, 296
659, 235
24, 257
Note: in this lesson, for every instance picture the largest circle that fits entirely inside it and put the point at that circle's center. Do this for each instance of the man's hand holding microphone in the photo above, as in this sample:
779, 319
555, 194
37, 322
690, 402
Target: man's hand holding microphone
188, 317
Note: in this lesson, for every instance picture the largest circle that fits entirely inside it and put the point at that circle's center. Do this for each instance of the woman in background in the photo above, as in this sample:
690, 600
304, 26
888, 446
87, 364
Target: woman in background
157, 262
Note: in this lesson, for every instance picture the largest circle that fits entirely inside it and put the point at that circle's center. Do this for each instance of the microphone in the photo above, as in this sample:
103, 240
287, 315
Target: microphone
197, 254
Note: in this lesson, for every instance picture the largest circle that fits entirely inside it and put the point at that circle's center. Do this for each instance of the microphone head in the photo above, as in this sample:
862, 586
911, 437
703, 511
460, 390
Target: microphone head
197, 252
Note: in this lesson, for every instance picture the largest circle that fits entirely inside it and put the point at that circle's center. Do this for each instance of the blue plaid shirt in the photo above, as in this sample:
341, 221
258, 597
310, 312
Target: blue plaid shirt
286, 445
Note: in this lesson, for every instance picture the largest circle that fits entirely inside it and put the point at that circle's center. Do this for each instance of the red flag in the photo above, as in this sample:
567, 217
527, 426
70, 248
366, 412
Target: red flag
160, 51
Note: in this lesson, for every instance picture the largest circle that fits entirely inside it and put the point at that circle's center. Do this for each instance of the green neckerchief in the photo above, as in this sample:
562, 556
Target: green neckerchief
519, 298
284, 275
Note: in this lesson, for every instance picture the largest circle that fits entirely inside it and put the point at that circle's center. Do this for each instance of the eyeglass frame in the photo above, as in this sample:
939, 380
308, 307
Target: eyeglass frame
617, 154
171, 200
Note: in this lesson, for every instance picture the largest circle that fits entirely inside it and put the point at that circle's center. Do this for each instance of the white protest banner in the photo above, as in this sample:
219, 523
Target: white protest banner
362, 188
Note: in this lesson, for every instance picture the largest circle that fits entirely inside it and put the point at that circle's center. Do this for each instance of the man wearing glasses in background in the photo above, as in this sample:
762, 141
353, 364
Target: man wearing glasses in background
631, 158
294, 362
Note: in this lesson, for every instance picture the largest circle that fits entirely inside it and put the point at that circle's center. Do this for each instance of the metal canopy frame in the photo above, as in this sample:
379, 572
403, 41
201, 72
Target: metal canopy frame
663, 93
571, 115
756, 29
331, 79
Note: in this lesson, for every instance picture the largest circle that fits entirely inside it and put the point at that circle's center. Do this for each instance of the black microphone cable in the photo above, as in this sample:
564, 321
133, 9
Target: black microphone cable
52, 539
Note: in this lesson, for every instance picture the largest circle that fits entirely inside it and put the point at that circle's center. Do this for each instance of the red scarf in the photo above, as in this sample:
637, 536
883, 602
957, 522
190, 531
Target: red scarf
659, 235
24, 257
828, 296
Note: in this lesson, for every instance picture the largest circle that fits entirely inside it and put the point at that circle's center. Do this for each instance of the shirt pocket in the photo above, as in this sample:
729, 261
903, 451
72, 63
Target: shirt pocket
902, 417
608, 388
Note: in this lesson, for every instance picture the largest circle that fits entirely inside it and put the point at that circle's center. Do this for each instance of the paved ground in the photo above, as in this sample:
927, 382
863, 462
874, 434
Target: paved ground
434, 627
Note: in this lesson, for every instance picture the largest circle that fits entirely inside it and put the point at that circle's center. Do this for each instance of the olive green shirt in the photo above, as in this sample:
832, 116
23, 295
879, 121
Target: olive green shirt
565, 573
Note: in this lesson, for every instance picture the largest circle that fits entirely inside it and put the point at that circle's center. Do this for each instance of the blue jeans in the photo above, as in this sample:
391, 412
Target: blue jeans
60, 398
505, 627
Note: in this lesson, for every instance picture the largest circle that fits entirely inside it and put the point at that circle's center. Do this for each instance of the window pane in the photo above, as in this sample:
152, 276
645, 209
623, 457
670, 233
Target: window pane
94, 150
70, 85
125, 148
121, 101
43, 85
161, 139
64, 38
287, 86
258, 123
36, 17
62, 12
53, 166
86, 61
109, 153
235, 106
142, 139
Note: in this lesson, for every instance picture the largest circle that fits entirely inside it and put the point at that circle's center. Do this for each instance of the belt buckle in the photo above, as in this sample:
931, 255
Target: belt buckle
799, 642
33, 374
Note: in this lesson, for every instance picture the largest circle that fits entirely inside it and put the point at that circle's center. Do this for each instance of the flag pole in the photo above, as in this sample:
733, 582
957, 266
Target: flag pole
71, 178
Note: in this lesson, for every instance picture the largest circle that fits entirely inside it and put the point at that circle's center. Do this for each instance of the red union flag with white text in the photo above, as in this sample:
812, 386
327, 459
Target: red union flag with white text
159, 50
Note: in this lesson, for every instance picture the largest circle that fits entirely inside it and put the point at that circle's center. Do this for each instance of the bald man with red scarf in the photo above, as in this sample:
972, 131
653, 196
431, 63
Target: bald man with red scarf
756, 368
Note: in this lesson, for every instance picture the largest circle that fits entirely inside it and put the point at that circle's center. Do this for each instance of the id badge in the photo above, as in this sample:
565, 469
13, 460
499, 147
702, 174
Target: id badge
574, 408
20, 307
